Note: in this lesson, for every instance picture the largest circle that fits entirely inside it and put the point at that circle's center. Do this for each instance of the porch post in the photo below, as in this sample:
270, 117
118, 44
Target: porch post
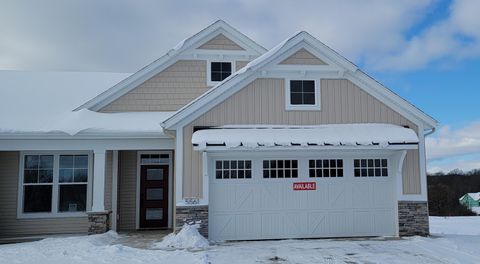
98, 203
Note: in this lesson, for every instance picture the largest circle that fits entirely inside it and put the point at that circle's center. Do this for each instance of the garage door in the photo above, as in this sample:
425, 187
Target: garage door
310, 197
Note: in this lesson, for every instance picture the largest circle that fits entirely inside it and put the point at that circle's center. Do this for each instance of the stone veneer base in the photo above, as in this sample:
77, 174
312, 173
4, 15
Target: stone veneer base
195, 214
98, 222
413, 218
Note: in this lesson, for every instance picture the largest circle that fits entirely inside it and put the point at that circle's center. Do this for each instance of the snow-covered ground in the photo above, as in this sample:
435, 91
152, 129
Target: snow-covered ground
455, 240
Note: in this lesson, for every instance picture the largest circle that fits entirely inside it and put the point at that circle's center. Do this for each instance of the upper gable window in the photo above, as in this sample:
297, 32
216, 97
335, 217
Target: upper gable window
218, 71
302, 95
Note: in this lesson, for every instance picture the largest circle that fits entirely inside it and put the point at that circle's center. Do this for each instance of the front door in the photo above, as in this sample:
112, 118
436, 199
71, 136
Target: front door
154, 196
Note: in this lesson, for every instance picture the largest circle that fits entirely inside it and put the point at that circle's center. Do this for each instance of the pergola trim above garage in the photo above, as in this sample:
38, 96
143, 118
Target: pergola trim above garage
345, 136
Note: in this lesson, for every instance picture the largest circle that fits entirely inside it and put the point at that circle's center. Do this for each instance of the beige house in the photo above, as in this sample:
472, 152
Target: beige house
294, 142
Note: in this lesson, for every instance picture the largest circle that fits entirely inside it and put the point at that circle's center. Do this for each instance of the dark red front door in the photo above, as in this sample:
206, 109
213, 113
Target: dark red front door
154, 196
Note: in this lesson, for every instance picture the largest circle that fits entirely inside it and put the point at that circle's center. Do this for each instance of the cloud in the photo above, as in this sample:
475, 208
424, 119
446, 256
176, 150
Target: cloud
454, 142
451, 39
462, 164
122, 36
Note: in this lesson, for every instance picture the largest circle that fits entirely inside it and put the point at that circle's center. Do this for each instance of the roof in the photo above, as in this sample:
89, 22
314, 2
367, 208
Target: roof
168, 59
474, 196
259, 136
39, 104
301, 39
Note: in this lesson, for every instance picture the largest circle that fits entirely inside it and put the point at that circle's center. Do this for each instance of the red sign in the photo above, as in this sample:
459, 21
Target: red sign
304, 186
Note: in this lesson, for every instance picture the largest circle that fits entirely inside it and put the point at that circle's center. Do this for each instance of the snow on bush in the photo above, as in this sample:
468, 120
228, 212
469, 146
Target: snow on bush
187, 238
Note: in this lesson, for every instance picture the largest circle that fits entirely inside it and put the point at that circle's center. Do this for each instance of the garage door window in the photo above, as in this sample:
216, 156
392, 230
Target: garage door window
371, 167
280, 169
233, 169
325, 168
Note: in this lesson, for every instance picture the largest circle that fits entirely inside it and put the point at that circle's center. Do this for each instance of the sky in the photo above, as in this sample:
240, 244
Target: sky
428, 51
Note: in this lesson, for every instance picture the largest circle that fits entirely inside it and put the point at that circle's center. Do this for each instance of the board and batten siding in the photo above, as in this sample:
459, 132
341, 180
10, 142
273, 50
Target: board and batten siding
263, 102
10, 226
169, 90
220, 42
127, 190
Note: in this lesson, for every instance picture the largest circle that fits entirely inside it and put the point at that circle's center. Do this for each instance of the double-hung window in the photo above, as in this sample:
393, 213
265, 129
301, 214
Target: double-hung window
53, 184
302, 94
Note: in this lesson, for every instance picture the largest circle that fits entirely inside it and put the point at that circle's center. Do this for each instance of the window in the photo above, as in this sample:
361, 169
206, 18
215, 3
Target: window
218, 71
233, 169
280, 169
325, 168
53, 183
146, 159
73, 179
371, 167
302, 95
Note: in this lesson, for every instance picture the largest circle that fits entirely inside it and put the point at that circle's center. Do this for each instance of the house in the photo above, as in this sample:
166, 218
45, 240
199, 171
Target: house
293, 142
470, 200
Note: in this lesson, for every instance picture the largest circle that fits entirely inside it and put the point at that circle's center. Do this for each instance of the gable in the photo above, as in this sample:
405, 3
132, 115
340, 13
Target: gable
220, 42
263, 102
303, 57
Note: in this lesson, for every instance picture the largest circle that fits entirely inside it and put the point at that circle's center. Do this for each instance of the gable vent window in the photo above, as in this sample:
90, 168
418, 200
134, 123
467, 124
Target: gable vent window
219, 71
302, 95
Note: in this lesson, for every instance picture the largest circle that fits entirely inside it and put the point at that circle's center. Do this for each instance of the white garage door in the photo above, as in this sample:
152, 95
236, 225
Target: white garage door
256, 198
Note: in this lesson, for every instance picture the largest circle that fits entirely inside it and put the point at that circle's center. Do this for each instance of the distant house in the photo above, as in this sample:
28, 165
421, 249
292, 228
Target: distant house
470, 200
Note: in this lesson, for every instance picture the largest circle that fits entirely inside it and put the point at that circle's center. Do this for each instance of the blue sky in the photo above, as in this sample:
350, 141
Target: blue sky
428, 51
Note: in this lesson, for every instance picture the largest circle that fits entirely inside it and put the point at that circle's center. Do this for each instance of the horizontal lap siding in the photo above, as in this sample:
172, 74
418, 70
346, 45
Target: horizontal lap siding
127, 198
263, 102
10, 226
169, 90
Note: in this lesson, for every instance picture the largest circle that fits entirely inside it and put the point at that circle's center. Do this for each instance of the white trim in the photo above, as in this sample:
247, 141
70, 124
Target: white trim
318, 96
114, 189
179, 167
55, 213
170, 185
311, 148
205, 178
211, 83
84, 144
169, 58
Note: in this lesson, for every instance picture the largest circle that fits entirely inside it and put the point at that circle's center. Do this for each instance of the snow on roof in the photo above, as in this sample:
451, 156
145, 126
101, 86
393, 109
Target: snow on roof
42, 102
475, 196
254, 136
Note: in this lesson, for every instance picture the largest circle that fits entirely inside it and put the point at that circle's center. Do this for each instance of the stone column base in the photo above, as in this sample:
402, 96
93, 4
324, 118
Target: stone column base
413, 218
98, 222
195, 214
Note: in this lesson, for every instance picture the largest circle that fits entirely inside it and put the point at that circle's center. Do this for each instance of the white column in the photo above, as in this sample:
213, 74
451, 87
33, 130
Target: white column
114, 189
98, 203
179, 166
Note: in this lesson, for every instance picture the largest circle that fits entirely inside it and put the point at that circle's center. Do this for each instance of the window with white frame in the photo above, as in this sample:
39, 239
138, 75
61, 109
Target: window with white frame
218, 71
54, 183
233, 169
370, 167
302, 94
280, 169
325, 168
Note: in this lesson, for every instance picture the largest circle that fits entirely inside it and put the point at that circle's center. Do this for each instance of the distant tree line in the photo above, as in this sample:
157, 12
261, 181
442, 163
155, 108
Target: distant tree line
444, 190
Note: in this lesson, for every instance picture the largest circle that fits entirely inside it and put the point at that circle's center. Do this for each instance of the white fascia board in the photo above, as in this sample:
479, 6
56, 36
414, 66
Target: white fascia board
84, 144
64, 136
310, 148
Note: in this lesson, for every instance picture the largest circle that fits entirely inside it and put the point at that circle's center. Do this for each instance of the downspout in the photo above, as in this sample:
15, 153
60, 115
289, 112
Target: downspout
430, 132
